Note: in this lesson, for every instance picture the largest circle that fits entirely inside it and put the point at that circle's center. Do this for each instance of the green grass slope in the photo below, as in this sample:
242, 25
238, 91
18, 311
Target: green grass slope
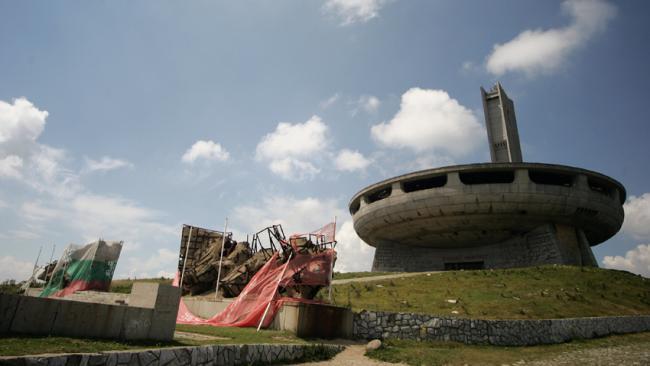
522, 293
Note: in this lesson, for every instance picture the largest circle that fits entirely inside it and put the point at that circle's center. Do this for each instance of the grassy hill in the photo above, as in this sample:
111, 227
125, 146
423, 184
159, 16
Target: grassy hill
522, 293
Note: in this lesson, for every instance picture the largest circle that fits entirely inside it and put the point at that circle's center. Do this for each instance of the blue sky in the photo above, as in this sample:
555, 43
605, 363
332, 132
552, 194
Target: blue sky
124, 120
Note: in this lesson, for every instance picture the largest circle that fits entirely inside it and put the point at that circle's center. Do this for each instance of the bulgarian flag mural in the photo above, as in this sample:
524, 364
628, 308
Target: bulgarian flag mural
88, 267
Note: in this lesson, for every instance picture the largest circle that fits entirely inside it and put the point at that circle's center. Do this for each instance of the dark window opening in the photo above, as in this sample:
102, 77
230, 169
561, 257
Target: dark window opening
354, 207
379, 194
504, 176
454, 266
550, 178
600, 186
424, 183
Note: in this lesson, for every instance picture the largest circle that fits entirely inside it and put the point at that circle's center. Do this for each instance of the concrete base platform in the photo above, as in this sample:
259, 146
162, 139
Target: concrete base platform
547, 244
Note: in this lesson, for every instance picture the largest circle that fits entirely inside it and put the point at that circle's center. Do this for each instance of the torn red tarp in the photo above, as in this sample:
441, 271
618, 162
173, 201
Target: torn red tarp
247, 310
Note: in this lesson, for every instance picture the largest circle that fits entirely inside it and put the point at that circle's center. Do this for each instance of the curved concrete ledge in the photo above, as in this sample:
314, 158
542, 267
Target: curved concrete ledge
477, 204
244, 354
371, 324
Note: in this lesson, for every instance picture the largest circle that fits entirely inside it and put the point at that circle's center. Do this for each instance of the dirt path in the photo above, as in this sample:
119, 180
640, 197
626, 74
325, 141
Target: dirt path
380, 278
353, 355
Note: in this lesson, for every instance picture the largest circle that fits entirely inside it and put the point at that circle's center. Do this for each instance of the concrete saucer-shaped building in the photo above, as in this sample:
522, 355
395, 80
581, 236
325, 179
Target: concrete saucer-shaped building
492, 215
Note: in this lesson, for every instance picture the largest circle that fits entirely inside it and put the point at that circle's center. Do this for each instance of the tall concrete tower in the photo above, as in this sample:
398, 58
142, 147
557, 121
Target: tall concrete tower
501, 125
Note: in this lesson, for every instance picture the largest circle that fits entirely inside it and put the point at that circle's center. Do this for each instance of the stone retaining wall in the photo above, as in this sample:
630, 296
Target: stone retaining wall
372, 324
203, 355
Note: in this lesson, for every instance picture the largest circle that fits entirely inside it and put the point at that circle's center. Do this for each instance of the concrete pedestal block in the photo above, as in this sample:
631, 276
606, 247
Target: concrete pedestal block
8, 305
164, 300
35, 315
137, 323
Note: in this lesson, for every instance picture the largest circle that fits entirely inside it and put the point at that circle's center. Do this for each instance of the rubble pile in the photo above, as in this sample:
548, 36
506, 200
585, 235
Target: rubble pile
201, 256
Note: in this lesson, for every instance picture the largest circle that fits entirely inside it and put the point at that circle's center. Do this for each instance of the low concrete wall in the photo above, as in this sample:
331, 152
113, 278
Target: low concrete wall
151, 316
203, 355
204, 308
371, 324
314, 320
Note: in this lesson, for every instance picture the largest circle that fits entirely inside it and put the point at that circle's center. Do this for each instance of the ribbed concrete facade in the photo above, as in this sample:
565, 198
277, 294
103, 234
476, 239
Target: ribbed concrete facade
488, 216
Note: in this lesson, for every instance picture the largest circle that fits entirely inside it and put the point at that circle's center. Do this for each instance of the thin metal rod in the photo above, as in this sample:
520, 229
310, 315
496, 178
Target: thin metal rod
187, 249
31, 278
329, 290
276, 288
223, 244
49, 263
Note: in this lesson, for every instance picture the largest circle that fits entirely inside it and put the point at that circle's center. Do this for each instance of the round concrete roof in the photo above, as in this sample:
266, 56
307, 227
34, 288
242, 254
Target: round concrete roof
480, 204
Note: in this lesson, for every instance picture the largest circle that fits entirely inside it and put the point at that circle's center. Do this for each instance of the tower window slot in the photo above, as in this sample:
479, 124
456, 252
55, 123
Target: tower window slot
424, 183
503, 176
354, 206
600, 186
379, 194
550, 178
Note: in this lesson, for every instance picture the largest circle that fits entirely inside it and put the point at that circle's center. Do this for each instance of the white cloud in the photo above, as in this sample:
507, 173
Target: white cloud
636, 260
291, 148
305, 215
430, 161
293, 169
348, 160
354, 255
429, 120
150, 267
206, 150
353, 11
105, 164
637, 217
12, 268
329, 101
11, 166
367, 103
542, 51
63, 200
21, 123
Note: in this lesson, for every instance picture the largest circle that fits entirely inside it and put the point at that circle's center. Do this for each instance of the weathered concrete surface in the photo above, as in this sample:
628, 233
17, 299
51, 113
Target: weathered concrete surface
205, 308
459, 215
164, 300
382, 325
314, 320
156, 319
203, 355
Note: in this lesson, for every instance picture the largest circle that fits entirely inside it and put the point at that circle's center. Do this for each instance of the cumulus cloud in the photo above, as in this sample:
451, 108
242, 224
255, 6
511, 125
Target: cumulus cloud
105, 164
637, 217
12, 268
205, 150
298, 215
291, 148
636, 261
354, 11
536, 51
21, 123
348, 160
430, 120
